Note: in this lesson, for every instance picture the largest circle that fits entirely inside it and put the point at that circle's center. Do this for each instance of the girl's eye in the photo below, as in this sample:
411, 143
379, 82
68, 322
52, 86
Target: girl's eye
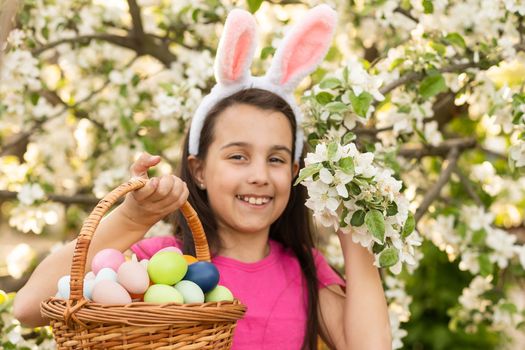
237, 157
276, 160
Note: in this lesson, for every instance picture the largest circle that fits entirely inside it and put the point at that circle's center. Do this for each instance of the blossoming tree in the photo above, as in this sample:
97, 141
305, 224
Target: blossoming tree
415, 122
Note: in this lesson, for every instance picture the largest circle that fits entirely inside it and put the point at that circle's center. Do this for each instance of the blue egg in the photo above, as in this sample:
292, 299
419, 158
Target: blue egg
106, 274
204, 274
88, 288
63, 286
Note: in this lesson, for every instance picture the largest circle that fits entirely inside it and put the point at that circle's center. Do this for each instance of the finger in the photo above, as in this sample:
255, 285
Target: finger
143, 163
146, 191
178, 196
163, 189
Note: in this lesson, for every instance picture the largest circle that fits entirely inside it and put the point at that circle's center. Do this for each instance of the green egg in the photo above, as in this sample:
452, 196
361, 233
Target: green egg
190, 291
167, 267
219, 293
162, 293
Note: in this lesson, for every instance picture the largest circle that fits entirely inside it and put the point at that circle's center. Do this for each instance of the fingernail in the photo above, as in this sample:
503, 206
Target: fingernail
154, 181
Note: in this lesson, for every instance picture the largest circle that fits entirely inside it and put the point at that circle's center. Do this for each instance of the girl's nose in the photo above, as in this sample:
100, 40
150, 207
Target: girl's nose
259, 174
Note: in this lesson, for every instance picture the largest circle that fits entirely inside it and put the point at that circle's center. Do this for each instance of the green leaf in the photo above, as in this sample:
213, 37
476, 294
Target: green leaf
336, 107
378, 248
349, 137
485, 266
358, 218
253, 5
347, 165
432, 85
428, 6
361, 103
34, 97
307, 172
392, 209
267, 51
395, 63
479, 236
344, 214
354, 188
439, 48
375, 222
151, 146
135, 80
509, 307
410, 225
324, 97
456, 40
404, 109
126, 123
389, 257
330, 83
332, 149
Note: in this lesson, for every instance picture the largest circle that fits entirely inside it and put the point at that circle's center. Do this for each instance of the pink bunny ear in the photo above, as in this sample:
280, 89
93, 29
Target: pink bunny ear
236, 47
303, 48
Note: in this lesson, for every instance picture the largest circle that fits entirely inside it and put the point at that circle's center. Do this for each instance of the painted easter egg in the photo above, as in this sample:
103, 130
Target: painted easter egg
204, 273
162, 293
190, 291
106, 274
63, 286
110, 292
89, 284
219, 293
171, 249
167, 268
111, 258
133, 277
190, 259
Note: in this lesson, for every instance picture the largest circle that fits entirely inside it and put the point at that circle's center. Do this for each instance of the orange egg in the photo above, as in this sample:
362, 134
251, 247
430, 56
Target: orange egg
190, 259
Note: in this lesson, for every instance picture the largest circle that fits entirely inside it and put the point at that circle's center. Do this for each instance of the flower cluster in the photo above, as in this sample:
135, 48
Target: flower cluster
352, 193
477, 307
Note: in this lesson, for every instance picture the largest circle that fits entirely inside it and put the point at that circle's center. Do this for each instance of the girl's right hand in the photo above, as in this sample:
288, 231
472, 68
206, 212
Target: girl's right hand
158, 198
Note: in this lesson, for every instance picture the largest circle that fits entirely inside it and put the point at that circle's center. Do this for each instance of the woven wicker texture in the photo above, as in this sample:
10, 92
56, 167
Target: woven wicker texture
81, 324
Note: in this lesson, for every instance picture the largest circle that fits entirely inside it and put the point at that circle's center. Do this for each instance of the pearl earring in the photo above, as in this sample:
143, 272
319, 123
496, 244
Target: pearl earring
201, 186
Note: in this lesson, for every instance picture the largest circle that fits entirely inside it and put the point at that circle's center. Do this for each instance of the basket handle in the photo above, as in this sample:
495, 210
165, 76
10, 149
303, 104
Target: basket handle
78, 266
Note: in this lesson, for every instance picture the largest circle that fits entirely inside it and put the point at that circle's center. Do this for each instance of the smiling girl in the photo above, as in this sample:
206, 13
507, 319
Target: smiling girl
240, 158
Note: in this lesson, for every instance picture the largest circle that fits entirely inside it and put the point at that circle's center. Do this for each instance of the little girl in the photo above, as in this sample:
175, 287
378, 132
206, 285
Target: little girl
241, 156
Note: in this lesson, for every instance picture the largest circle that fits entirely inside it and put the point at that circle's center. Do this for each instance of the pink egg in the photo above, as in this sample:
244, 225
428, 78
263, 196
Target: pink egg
111, 258
171, 249
110, 292
133, 277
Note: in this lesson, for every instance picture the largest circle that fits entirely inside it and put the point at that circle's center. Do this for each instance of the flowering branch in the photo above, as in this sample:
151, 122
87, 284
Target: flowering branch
431, 195
468, 187
443, 149
134, 11
415, 76
74, 199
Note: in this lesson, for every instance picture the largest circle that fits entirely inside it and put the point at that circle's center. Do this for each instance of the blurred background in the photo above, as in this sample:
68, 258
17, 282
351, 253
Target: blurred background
435, 88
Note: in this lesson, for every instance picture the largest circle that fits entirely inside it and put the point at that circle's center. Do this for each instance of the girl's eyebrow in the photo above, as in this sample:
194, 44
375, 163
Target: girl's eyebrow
246, 144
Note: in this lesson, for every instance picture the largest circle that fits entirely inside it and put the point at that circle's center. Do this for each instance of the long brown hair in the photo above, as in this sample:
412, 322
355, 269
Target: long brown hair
293, 229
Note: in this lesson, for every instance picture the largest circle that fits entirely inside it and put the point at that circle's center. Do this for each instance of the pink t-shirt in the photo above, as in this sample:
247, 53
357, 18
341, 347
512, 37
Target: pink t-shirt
273, 289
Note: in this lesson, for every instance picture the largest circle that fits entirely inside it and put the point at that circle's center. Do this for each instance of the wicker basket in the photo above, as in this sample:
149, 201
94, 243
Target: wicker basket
81, 324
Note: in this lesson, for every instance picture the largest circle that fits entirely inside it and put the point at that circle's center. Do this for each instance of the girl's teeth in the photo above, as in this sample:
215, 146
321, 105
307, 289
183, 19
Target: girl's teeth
252, 200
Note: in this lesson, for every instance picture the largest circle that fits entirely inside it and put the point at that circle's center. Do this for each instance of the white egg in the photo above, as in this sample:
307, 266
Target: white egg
144, 263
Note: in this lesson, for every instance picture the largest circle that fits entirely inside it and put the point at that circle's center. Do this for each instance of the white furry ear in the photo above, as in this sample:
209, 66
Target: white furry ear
303, 48
236, 48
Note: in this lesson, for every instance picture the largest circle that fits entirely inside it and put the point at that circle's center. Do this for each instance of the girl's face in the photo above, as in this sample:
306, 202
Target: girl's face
249, 168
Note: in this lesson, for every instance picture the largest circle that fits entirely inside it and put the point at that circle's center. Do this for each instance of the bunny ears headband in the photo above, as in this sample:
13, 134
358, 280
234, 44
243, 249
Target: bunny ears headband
301, 51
